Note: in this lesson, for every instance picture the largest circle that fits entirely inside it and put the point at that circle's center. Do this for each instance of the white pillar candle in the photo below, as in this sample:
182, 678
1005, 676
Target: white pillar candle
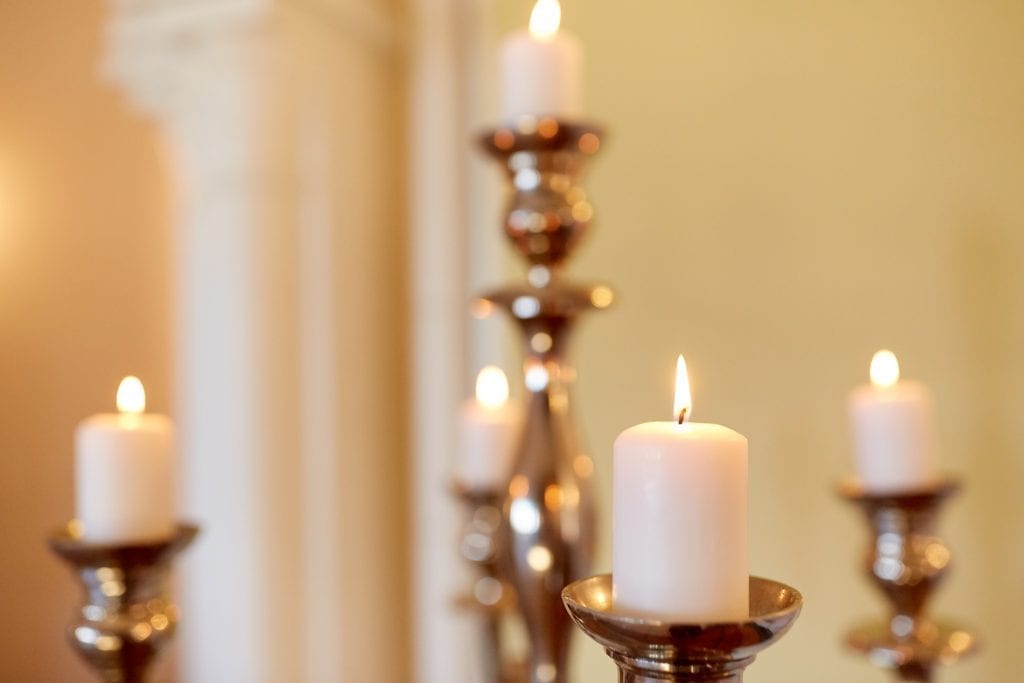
124, 472
892, 426
488, 428
541, 68
679, 519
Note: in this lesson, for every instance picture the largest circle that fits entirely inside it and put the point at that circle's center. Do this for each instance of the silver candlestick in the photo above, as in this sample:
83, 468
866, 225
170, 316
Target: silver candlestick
655, 651
907, 561
488, 597
125, 619
547, 532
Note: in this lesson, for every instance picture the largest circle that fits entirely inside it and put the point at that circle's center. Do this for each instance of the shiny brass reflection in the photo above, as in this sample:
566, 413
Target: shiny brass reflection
906, 560
650, 650
546, 538
126, 618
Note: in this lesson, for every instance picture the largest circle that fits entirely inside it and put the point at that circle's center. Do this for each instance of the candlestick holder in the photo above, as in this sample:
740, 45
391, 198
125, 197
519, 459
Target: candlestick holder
489, 597
125, 619
546, 535
650, 650
907, 561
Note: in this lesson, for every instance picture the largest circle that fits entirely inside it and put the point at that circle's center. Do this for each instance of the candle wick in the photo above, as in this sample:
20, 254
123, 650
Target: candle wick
682, 415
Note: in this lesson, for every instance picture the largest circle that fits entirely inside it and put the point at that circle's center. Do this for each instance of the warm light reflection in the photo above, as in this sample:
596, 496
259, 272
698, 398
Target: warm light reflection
683, 404
545, 19
131, 396
554, 497
602, 296
541, 342
885, 369
491, 387
539, 558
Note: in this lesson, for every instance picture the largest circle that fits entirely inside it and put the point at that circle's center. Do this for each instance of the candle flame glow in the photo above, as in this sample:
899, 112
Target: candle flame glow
683, 404
131, 396
491, 387
545, 19
885, 369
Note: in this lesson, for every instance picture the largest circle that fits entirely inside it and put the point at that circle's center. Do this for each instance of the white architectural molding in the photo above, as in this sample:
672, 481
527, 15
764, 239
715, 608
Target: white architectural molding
443, 642
281, 119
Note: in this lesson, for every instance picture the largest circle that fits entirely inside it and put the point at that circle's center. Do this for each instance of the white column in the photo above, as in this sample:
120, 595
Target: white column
445, 649
281, 117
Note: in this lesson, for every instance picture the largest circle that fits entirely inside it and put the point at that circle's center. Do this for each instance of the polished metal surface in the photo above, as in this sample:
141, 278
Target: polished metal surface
125, 618
649, 650
547, 211
546, 537
907, 561
489, 597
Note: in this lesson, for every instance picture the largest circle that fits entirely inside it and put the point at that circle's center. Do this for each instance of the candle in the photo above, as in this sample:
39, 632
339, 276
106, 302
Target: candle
891, 422
488, 427
541, 68
124, 471
679, 518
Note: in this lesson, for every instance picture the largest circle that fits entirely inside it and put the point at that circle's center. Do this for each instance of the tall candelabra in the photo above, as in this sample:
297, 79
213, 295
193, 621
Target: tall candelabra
907, 560
545, 535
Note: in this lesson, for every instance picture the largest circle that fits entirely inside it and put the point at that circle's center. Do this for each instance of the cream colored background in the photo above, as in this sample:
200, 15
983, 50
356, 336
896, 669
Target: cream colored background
788, 186
84, 299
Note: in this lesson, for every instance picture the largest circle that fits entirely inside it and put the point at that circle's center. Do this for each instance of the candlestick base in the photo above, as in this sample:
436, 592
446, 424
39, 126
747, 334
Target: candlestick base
907, 561
125, 619
650, 650
913, 655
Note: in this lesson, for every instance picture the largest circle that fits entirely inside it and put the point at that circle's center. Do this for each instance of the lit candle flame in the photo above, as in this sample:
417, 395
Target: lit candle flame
684, 404
491, 387
131, 396
545, 19
885, 369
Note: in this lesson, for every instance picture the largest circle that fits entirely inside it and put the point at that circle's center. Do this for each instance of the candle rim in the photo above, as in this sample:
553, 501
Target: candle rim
686, 429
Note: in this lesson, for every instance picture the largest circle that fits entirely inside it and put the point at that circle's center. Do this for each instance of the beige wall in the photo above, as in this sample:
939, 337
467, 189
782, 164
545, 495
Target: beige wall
787, 187
759, 155
84, 299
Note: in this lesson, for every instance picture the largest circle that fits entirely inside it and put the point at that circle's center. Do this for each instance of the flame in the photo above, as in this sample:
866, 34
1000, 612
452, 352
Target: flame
545, 19
491, 387
131, 396
885, 369
683, 404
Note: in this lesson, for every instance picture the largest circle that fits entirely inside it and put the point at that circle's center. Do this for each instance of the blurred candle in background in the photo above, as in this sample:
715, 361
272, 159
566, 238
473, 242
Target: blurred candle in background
679, 518
541, 69
488, 426
124, 471
892, 426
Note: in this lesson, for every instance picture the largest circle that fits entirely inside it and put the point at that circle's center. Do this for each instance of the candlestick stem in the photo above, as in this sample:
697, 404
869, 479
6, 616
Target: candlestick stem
914, 672
547, 534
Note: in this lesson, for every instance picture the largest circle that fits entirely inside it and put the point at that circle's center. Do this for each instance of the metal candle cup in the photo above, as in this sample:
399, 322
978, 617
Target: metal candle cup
654, 651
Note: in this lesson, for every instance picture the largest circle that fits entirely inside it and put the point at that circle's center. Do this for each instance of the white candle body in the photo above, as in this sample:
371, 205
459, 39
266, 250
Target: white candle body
124, 477
487, 445
541, 76
679, 522
893, 436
